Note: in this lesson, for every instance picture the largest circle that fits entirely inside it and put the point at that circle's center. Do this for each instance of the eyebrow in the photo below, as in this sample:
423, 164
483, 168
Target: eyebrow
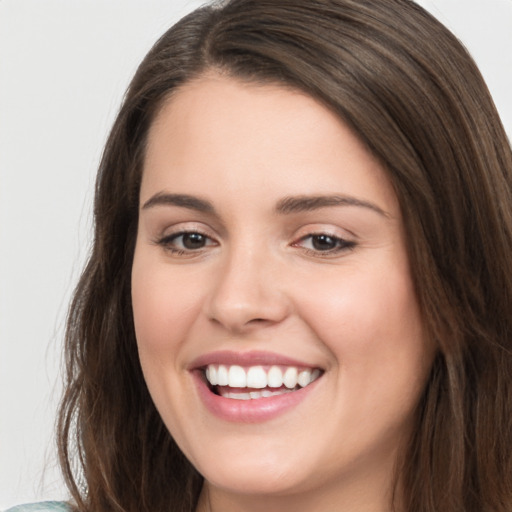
285, 206
183, 200
297, 204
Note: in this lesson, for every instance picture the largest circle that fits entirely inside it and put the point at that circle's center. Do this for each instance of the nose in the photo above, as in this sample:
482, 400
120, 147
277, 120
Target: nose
248, 292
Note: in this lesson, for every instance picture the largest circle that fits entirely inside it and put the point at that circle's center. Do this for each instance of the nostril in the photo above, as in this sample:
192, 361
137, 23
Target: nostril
258, 322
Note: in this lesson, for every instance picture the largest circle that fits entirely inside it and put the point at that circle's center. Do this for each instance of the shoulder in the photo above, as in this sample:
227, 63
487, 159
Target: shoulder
44, 506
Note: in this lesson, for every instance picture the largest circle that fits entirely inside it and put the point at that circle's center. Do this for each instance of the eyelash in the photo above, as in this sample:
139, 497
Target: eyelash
168, 240
340, 244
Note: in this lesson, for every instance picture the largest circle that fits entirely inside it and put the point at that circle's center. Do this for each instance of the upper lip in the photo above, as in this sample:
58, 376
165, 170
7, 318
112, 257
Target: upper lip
251, 358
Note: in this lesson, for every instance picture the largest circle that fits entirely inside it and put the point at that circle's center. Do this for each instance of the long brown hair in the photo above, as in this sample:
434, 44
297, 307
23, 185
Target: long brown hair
413, 95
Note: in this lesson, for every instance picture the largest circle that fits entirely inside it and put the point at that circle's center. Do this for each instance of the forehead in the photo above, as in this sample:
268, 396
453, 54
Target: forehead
219, 135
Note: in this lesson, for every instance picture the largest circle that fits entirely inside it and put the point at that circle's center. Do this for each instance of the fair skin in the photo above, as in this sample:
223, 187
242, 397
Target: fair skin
269, 236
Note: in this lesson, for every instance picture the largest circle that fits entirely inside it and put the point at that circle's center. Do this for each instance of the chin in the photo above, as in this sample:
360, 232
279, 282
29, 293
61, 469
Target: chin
260, 478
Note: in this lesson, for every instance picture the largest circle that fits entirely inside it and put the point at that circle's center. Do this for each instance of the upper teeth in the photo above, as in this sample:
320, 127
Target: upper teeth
259, 377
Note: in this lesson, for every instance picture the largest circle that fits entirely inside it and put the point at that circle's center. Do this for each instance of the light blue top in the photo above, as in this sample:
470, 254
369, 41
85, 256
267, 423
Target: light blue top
44, 506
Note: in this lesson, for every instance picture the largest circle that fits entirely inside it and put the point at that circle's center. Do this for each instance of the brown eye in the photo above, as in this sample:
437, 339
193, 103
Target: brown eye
324, 242
193, 240
186, 242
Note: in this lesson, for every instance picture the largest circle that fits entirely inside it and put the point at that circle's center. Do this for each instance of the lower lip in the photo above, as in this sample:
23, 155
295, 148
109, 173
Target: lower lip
249, 411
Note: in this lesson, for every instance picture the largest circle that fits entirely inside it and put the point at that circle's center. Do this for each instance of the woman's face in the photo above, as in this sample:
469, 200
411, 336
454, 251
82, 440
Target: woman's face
270, 247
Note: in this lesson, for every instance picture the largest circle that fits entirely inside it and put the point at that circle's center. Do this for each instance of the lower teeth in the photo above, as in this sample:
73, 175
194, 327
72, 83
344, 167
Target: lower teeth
253, 395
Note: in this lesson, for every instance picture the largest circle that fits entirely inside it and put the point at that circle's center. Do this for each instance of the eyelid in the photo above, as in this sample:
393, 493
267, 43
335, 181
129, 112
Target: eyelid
170, 234
344, 243
174, 236
185, 227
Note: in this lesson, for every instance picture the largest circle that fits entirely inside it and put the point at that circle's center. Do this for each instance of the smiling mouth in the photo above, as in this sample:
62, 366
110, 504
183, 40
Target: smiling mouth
255, 382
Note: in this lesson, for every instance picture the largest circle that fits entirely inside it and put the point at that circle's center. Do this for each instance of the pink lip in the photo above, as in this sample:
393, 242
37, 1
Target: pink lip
252, 358
249, 411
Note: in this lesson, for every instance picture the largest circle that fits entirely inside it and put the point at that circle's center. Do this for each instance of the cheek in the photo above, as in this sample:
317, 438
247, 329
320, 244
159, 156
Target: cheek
371, 325
368, 320
165, 304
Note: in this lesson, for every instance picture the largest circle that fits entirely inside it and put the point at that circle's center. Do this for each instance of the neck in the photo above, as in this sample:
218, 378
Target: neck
356, 496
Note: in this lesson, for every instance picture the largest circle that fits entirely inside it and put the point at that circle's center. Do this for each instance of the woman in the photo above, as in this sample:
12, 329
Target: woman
299, 292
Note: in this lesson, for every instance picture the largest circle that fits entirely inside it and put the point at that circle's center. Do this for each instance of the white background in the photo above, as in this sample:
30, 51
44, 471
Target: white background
64, 65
